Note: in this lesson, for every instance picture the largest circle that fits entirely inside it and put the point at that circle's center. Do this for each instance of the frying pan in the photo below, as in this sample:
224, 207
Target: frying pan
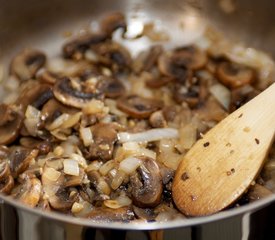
42, 24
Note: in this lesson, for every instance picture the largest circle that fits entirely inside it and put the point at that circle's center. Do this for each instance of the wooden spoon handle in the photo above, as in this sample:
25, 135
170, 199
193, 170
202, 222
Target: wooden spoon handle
221, 166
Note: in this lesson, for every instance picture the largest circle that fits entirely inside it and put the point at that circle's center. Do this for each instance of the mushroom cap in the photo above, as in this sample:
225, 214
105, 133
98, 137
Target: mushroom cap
138, 107
111, 87
105, 136
76, 47
20, 159
234, 75
27, 63
10, 125
147, 184
35, 94
68, 95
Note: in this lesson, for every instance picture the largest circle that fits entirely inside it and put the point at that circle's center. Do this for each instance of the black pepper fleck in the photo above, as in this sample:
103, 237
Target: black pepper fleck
232, 170
206, 144
199, 169
184, 176
257, 140
240, 115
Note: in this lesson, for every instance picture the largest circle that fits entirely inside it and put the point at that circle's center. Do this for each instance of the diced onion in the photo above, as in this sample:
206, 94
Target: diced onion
72, 120
81, 160
118, 179
86, 135
51, 174
129, 165
95, 106
121, 201
71, 167
149, 135
222, 94
77, 207
58, 121
188, 136
106, 167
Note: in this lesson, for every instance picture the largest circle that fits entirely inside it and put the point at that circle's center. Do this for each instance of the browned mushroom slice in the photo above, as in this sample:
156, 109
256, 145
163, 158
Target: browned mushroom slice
72, 181
114, 56
35, 94
4, 152
27, 63
4, 169
138, 107
10, 124
28, 192
234, 75
48, 77
63, 199
53, 109
20, 159
66, 93
43, 146
189, 95
100, 214
105, 136
157, 120
190, 56
158, 82
77, 47
112, 22
146, 60
146, 184
6, 185
112, 88
242, 95
172, 66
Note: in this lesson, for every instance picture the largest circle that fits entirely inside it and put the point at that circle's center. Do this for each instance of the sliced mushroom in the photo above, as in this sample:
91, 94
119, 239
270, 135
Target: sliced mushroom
44, 205
77, 47
234, 75
114, 56
113, 22
105, 136
146, 60
48, 77
20, 158
146, 184
138, 107
172, 67
35, 94
242, 95
6, 185
189, 95
72, 95
158, 82
10, 124
43, 146
53, 109
63, 199
27, 63
73, 181
4, 169
112, 88
28, 192
157, 120
100, 214
4, 152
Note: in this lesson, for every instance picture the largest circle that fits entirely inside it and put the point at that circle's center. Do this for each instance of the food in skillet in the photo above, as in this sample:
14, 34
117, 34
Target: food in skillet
98, 133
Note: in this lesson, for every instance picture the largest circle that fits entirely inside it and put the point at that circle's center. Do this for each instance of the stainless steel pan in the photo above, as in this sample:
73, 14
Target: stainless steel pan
41, 24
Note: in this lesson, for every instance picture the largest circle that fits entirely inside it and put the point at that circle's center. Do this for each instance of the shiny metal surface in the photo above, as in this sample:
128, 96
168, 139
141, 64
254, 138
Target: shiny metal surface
247, 21
42, 24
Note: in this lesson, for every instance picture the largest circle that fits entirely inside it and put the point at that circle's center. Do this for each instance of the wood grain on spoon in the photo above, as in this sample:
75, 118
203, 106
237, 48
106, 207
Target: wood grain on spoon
221, 166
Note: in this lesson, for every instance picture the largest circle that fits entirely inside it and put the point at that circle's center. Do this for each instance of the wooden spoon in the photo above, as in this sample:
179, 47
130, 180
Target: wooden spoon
219, 168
